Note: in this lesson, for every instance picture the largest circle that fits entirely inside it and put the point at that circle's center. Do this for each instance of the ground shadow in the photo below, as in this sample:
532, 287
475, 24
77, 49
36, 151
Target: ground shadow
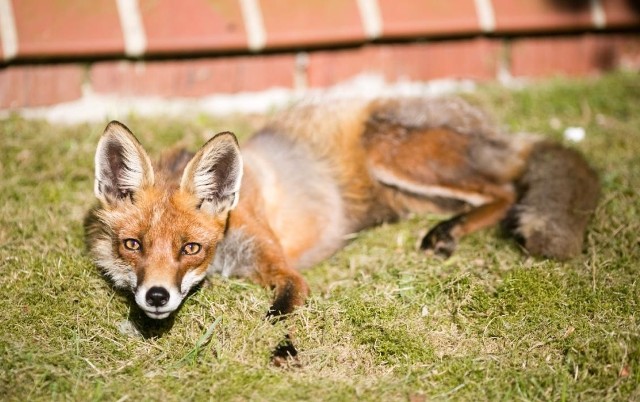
148, 328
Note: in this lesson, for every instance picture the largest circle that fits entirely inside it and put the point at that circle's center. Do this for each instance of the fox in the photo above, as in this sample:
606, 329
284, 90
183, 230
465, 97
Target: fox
316, 173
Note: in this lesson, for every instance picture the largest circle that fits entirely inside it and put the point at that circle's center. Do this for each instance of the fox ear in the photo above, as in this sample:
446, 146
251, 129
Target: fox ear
214, 174
122, 166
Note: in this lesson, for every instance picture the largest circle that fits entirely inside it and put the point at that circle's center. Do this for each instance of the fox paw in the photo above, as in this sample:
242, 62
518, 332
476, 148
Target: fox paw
439, 240
285, 354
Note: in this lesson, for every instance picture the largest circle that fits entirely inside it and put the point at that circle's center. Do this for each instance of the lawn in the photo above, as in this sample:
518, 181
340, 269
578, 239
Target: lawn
384, 321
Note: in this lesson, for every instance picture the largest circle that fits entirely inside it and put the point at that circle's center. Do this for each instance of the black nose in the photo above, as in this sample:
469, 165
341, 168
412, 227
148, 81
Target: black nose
157, 296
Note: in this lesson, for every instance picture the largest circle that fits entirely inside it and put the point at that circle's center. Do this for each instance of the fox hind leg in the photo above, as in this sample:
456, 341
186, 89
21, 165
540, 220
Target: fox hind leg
440, 239
436, 166
443, 238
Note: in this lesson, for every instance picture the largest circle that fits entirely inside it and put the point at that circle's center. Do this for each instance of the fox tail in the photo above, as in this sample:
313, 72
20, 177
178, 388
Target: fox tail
557, 195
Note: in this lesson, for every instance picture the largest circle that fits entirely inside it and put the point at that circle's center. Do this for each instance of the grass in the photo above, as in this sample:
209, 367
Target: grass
384, 322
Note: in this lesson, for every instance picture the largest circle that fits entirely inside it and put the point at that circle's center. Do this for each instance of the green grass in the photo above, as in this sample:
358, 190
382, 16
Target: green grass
384, 322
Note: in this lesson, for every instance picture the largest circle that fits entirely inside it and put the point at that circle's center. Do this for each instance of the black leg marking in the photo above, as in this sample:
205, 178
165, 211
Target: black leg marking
439, 240
285, 353
283, 304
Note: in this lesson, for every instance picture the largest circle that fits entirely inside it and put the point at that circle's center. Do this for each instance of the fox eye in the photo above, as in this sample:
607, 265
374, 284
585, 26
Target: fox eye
191, 248
132, 244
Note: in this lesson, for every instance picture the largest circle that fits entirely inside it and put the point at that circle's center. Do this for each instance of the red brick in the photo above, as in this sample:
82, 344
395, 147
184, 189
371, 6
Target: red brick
428, 17
30, 86
470, 58
541, 15
474, 58
180, 26
623, 51
327, 68
311, 22
70, 27
193, 78
575, 55
1, 47
621, 13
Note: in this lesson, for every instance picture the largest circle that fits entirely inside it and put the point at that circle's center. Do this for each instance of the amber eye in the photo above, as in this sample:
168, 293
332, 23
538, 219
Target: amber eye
191, 248
132, 244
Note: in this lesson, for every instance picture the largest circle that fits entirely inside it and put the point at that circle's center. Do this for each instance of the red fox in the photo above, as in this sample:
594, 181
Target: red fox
315, 174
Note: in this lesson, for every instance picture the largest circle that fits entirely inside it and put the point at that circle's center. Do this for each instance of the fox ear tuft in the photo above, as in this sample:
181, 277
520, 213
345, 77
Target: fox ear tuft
122, 166
214, 174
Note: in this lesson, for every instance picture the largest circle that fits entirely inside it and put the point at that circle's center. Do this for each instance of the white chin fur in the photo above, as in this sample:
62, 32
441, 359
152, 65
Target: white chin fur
157, 316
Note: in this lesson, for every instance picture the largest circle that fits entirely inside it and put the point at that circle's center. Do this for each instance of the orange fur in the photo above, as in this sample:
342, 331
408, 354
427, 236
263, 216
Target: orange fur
314, 175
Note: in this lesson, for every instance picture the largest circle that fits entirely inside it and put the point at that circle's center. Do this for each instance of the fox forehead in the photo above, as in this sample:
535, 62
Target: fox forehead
156, 216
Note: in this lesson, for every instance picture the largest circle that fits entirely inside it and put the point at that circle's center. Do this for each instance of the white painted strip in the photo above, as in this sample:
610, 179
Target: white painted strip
486, 16
8, 30
252, 15
371, 19
135, 39
598, 15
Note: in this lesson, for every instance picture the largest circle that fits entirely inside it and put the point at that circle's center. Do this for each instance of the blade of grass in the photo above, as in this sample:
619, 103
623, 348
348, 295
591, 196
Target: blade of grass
191, 356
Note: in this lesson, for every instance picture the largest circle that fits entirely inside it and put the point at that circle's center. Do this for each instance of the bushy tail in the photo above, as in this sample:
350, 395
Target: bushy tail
558, 193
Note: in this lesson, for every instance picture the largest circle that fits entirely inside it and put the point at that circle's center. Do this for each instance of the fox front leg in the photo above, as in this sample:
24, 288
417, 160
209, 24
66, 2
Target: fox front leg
272, 271
291, 291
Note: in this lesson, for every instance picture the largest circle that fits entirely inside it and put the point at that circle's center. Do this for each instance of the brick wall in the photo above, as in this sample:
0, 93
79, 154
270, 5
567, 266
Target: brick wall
193, 48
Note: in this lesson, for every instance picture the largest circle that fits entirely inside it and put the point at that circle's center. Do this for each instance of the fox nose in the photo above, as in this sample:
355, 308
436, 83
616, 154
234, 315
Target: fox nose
157, 296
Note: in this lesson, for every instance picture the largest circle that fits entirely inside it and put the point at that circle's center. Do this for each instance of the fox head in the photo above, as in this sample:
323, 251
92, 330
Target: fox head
158, 231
